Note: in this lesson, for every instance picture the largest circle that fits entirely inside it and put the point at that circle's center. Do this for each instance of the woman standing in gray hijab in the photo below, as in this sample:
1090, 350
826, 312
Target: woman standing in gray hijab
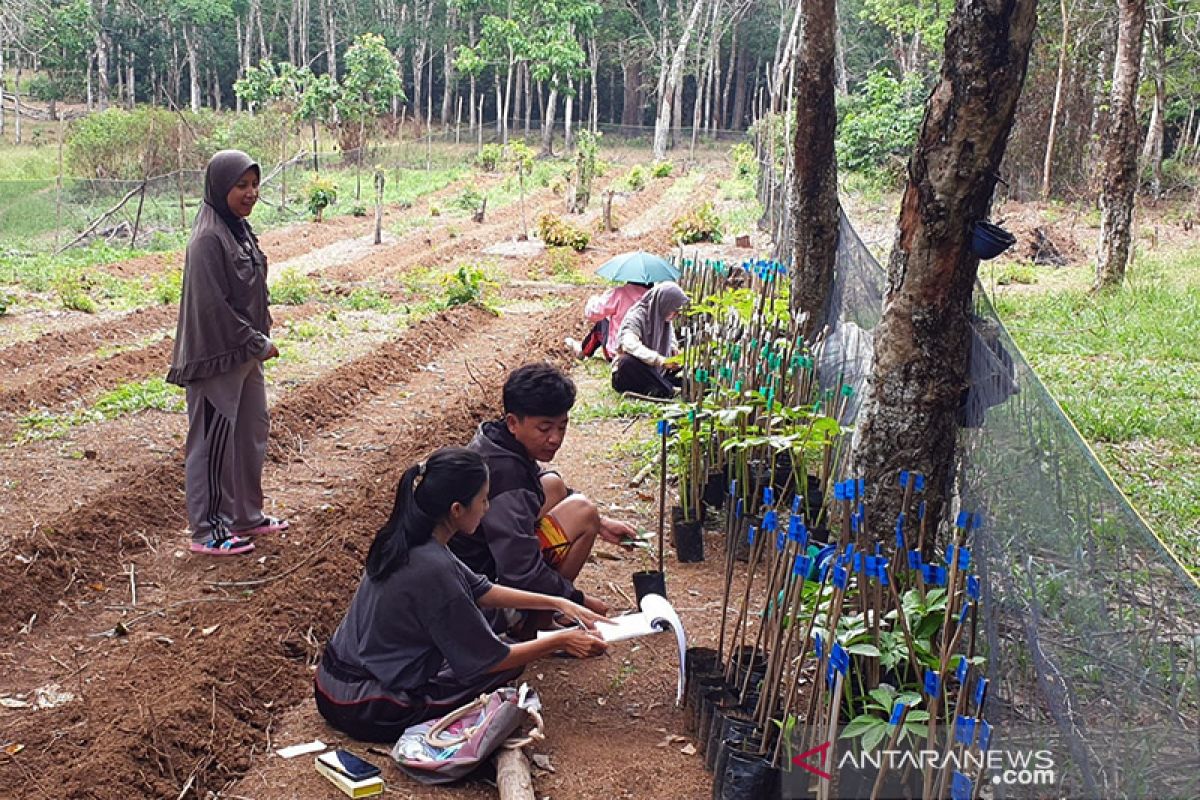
221, 342
647, 343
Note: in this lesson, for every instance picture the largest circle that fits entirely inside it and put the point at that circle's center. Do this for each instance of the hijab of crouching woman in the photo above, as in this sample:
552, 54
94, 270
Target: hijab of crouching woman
415, 643
647, 343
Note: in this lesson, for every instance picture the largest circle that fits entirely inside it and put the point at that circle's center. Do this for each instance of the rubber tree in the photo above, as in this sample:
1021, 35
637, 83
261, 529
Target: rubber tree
1119, 166
919, 368
815, 207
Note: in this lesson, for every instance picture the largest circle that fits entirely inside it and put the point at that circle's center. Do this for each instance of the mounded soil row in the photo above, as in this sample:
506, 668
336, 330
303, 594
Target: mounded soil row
177, 699
84, 378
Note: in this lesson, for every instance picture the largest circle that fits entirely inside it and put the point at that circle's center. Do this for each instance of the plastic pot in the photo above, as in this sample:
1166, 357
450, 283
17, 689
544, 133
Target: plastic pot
688, 537
989, 241
736, 739
748, 775
716, 489
730, 722
701, 661
649, 582
694, 698
712, 702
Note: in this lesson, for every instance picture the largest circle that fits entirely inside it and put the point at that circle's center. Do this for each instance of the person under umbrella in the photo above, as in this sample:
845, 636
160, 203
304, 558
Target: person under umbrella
638, 271
607, 311
647, 344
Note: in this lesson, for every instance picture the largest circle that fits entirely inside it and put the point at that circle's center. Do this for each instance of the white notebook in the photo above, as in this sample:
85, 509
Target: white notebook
656, 616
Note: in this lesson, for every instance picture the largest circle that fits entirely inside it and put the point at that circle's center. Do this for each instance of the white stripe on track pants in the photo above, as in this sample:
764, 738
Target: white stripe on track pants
226, 447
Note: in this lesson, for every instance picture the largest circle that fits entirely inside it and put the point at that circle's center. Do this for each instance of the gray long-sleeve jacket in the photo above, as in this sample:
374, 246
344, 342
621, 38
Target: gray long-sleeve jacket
505, 547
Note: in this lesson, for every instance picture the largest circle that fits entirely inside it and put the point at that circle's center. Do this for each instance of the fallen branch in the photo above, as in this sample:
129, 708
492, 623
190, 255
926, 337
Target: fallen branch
273, 578
101, 218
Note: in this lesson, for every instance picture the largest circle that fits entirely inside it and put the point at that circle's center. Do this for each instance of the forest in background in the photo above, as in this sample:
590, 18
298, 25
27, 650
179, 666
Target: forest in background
535, 67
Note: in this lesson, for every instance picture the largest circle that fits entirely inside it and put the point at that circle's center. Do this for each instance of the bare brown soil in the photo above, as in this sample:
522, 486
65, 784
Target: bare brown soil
185, 691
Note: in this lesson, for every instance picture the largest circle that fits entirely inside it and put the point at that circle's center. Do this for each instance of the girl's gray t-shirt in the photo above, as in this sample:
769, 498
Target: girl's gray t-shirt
404, 628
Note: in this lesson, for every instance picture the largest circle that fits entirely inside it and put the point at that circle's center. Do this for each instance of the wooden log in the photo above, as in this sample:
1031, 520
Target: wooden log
512, 775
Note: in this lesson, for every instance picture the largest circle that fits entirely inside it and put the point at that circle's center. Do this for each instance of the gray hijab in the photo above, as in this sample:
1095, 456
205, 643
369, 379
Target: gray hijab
648, 317
224, 170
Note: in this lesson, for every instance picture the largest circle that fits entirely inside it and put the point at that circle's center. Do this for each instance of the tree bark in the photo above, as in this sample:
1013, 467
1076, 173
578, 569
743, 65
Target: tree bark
668, 83
738, 117
1119, 167
631, 79
449, 78
328, 23
1152, 153
101, 44
548, 118
1048, 161
919, 368
815, 208
193, 59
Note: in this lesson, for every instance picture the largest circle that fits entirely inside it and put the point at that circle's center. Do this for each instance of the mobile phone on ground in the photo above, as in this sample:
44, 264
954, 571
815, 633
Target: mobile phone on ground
349, 765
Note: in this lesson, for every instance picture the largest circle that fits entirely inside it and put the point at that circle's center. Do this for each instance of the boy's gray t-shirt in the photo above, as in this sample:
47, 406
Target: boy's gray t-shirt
403, 629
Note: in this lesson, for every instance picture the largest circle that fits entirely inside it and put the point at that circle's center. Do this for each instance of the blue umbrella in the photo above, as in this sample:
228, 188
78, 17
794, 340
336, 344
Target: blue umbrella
638, 267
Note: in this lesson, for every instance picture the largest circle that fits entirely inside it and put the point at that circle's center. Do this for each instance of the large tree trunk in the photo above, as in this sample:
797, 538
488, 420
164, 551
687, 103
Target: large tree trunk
328, 23
548, 118
919, 368
1048, 160
631, 80
738, 117
669, 81
193, 59
814, 189
101, 44
449, 79
1152, 153
1121, 149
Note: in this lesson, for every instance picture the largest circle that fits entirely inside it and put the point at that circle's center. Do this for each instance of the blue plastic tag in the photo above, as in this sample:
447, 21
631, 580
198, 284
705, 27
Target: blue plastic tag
818, 646
770, 520
985, 735
840, 659
750, 534
964, 730
768, 496
914, 559
920, 483
903, 479
980, 691
897, 713
933, 683
961, 787
664, 427
973, 587
839, 577
961, 672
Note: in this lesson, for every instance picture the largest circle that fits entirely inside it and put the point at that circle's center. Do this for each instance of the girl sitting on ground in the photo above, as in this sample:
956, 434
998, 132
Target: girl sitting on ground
647, 344
414, 644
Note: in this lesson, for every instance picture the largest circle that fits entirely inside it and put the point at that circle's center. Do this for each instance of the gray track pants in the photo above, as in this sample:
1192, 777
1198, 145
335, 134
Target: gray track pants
226, 446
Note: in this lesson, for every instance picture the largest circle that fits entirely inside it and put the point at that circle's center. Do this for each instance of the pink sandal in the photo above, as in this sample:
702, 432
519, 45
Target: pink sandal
223, 544
268, 525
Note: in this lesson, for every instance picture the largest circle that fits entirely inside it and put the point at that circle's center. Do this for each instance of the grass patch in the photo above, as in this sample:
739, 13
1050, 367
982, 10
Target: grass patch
74, 280
126, 399
1125, 367
293, 288
614, 406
